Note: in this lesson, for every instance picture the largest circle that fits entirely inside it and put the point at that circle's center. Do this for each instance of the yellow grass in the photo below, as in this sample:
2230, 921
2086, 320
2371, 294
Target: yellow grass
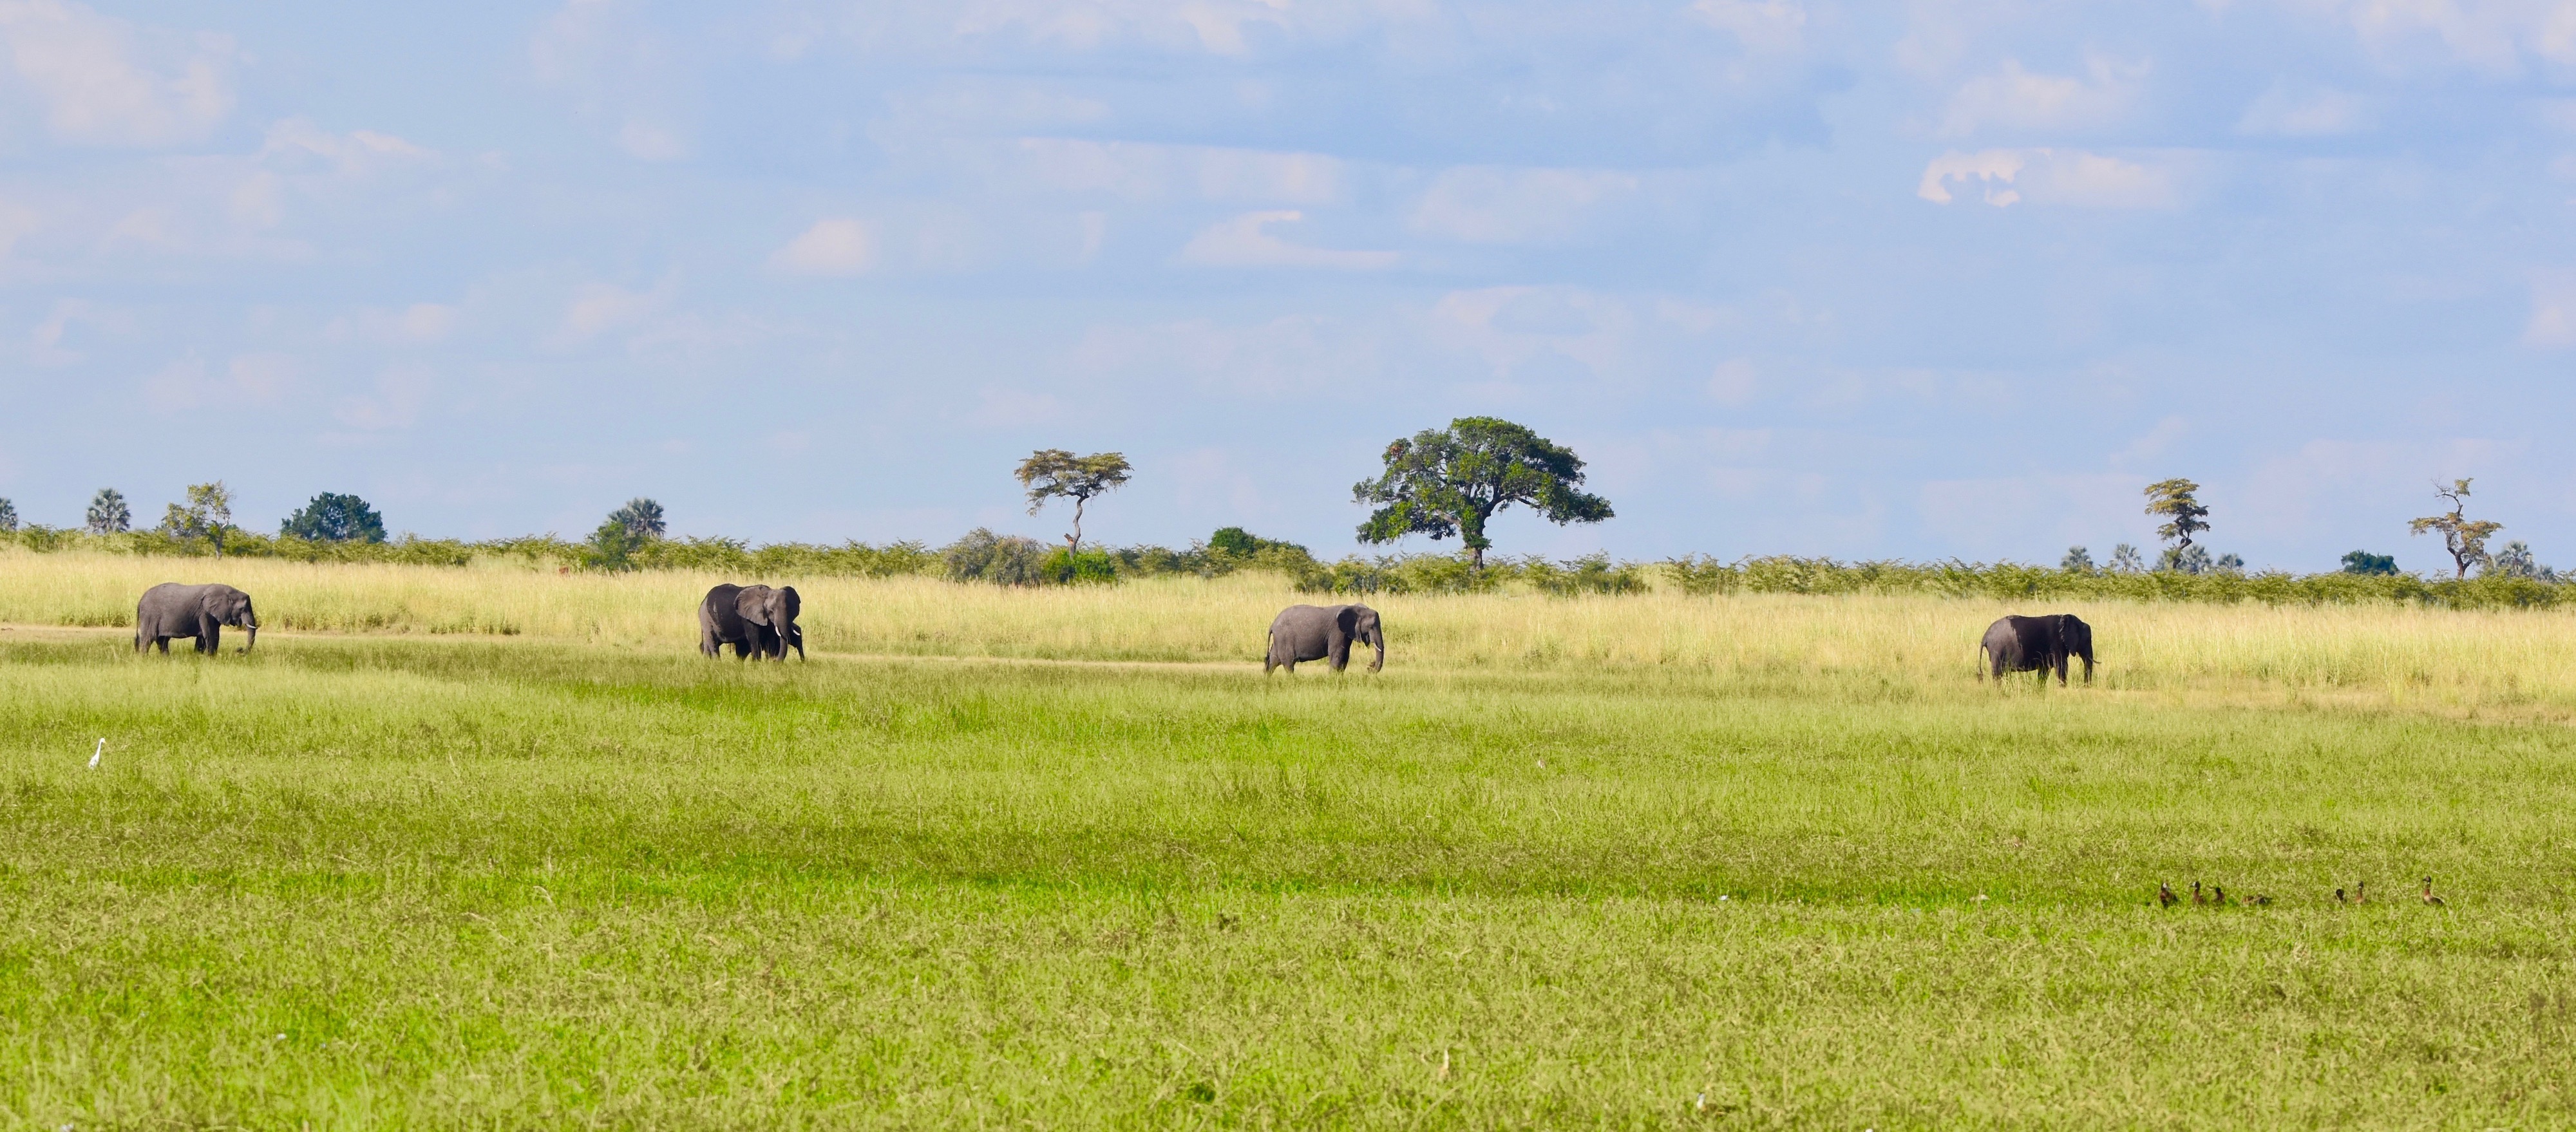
2522, 663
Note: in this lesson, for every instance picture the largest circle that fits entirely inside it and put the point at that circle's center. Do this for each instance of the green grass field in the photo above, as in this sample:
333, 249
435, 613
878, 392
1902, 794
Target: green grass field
1785, 865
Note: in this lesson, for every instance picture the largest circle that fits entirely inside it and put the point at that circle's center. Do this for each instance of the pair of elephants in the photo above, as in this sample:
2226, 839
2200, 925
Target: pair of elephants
2027, 644
758, 621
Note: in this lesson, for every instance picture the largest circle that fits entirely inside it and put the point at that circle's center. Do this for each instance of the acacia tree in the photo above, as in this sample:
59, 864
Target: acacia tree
2185, 517
108, 513
2464, 537
1051, 473
1450, 481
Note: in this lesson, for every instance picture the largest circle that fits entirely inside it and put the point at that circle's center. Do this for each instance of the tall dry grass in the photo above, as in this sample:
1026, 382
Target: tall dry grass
1900, 643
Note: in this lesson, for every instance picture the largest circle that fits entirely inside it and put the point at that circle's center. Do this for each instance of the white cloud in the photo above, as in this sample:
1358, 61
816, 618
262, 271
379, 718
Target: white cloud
1147, 171
1776, 26
248, 379
1246, 242
2033, 515
1215, 26
838, 246
1488, 205
2017, 99
1510, 327
645, 141
1295, 354
2488, 35
2069, 177
16, 223
1734, 383
399, 393
2285, 111
2553, 310
600, 307
419, 324
104, 81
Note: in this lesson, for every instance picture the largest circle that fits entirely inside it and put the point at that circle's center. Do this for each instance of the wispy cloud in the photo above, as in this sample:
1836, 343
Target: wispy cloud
1245, 241
837, 246
107, 81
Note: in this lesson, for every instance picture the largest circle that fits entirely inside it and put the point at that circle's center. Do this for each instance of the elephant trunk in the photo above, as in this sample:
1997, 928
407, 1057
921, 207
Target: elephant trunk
250, 634
1378, 641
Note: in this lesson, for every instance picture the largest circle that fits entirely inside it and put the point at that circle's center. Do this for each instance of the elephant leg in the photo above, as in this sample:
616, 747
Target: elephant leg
164, 642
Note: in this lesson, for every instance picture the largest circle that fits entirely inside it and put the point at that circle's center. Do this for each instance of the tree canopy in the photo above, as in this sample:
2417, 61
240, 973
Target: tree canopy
207, 514
2464, 537
1053, 473
335, 518
1450, 482
2184, 516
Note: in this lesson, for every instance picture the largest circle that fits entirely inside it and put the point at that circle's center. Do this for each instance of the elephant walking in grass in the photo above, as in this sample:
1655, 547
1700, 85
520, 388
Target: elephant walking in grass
1320, 632
2025, 644
757, 621
173, 610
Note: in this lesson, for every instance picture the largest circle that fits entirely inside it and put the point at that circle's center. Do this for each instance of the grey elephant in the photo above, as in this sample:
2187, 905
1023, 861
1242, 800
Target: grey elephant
757, 621
2025, 644
1323, 632
173, 610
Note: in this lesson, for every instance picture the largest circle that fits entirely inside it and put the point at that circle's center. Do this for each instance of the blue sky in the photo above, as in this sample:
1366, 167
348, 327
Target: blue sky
1917, 280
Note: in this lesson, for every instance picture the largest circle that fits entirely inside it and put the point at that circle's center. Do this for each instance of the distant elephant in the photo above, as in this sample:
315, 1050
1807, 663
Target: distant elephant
173, 610
2025, 644
1319, 632
756, 620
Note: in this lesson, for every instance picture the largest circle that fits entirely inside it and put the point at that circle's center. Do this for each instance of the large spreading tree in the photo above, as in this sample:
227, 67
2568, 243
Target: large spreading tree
1450, 482
1054, 473
333, 517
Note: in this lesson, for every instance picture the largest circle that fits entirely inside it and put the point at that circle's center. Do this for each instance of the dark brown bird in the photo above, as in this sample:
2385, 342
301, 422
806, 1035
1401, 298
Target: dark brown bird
2197, 900
2340, 898
2429, 898
2218, 895
2262, 901
2359, 895
2165, 895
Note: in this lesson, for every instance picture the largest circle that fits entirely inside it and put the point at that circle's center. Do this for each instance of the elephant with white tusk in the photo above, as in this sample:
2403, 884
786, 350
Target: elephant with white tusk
173, 610
1316, 632
757, 621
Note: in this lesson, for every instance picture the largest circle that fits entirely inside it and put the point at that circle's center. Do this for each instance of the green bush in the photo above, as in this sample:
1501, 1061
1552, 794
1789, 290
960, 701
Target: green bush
1065, 567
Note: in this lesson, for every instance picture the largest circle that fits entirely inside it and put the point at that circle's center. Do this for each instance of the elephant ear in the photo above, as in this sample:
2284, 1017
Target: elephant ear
794, 605
1347, 619
753, 604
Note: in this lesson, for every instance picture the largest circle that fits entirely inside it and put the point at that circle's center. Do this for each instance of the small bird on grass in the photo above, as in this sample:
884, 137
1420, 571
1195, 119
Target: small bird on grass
2198, 900
2429, 898
2340, 898
2218, 895
2262, 901
2359, 896
2165, 895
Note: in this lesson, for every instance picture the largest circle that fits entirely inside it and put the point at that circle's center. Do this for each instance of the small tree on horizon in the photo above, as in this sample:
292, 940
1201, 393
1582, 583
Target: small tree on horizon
8, 516
2177, 500
2463, 537
1054, 473
2077, 561
2364, 562
641, 517
207, 515
1451, 481
108, 514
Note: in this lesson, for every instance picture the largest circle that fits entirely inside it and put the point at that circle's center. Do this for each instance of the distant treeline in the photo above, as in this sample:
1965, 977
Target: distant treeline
987, 558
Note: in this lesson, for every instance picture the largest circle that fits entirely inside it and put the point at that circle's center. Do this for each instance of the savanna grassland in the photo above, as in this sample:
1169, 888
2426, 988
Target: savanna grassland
494, 847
